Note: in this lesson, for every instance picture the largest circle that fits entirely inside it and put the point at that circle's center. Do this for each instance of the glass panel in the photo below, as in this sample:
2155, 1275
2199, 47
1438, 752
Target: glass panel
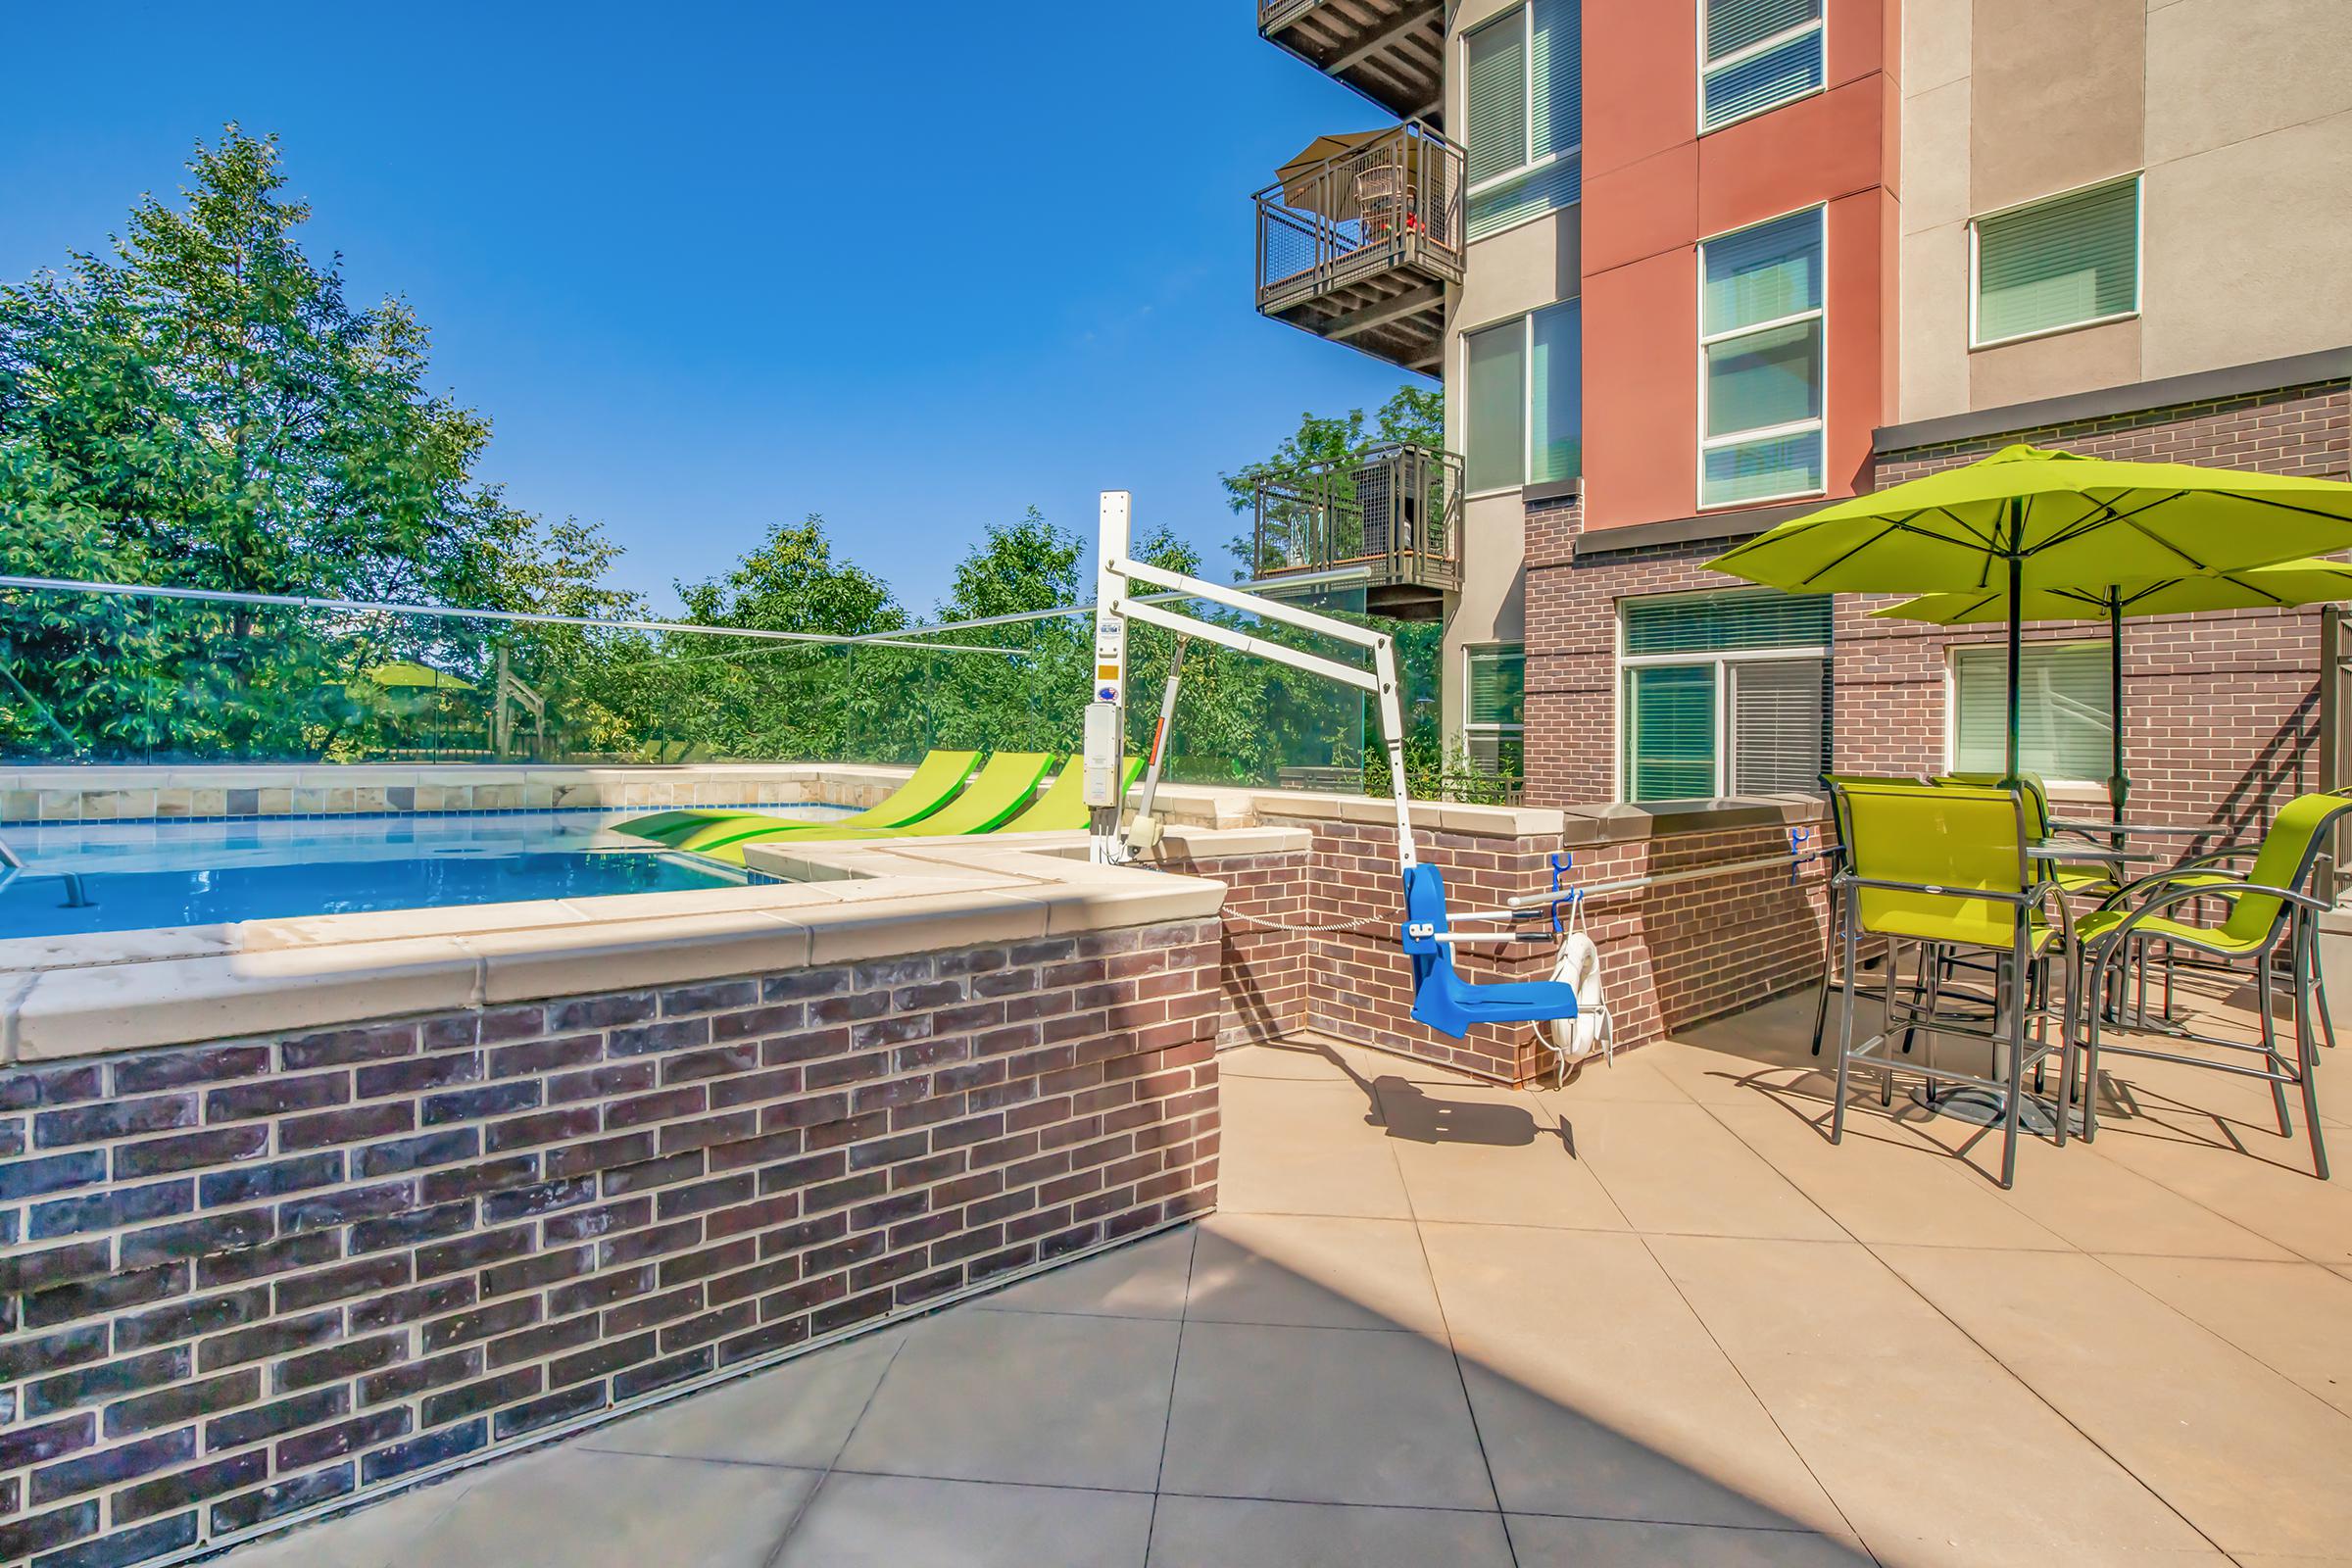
1754, 470
1765, 378
1733, 25
1776, 730
2076, 259
1555, 393
1557, 184
1753, 85
1761, 274
1498, 685
2065, 711
1726, 623
1498, 72
1669, 744
1496, 410
1556, 77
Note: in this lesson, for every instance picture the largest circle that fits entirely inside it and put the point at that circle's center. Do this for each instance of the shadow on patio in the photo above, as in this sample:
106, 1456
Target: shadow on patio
1648, 1317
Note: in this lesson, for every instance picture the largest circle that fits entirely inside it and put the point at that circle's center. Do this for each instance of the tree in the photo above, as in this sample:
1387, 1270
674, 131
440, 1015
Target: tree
204, 405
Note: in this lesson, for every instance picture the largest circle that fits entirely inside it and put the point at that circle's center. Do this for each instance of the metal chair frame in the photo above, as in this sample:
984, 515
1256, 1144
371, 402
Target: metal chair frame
2295, 930
2015, 1004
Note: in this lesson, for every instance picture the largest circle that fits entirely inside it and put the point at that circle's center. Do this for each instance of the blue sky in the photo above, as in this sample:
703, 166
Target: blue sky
912, 267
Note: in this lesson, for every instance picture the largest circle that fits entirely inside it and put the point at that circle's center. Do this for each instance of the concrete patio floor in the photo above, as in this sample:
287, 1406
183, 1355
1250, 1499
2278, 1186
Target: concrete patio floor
1649, 1317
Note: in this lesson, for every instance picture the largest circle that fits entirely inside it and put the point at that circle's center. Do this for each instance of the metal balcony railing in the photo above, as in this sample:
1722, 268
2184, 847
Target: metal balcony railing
1359, 247
1395, 511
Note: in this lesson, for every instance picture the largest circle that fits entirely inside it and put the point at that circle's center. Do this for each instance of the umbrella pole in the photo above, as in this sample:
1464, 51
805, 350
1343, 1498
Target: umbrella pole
2118, 786
2017, 576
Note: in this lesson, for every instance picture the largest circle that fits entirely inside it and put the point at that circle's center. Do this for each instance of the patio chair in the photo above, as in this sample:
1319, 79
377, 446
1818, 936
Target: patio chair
1834, 926
2270, 913
1949, 867
933, 783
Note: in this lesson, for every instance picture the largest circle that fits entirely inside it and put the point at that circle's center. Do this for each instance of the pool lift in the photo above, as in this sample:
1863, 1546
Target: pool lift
1570, 1004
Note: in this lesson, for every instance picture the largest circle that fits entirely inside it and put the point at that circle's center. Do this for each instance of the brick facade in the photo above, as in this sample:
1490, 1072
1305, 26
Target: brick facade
2221, 711
246, 1279
1671, 954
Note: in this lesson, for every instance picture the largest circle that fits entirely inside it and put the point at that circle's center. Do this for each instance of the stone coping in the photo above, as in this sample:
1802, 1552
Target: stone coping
84, 995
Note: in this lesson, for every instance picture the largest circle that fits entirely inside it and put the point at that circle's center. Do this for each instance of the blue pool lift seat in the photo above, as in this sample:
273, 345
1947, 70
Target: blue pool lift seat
1441, 998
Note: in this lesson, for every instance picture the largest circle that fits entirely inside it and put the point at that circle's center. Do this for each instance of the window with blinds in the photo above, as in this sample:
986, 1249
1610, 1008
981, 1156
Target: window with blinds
2056, 264
1494, 411
2066, 720
1778, 736
1670, 732
1555, 393
1523, 414
1722, 623
1495, 708
1725, 695
1762, 362
1760, 54
1525, 73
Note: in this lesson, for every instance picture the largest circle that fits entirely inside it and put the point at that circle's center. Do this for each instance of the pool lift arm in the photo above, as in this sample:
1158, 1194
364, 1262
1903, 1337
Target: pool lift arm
1115, 604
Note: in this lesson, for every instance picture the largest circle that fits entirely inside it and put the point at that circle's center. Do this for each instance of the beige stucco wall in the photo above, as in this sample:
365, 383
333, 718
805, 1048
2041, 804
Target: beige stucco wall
2238, 112
1504, 276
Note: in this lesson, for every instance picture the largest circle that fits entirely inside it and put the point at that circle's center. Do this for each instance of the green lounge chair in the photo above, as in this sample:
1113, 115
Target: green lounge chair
1061, 808
986, 803
934, 782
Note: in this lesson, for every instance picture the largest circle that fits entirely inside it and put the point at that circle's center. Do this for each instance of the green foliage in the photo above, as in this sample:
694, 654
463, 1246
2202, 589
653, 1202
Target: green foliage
201, 405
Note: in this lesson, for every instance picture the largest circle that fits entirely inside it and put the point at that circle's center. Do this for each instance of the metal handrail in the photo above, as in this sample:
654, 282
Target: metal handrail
1394, 509
1395, 199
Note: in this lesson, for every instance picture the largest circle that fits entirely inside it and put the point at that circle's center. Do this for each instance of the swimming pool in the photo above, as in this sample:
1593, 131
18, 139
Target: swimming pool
86, 877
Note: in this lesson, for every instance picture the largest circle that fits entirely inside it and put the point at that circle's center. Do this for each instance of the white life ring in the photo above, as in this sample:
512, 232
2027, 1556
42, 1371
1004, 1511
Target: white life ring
1579, 965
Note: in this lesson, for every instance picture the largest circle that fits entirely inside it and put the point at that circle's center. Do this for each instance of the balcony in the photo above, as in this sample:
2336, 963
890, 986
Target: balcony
1392, 51
1359, 245
1395, 511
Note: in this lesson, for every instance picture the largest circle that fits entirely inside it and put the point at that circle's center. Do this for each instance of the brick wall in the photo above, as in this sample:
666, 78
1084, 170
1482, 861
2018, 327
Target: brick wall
1671, 955
1263, 954
2221, 711
249, 1278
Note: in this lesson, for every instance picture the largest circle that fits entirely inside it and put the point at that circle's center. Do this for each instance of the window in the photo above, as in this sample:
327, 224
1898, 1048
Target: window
1526, 86
1724, 694
2065, 711
1497, 707
1762, 363
2066, 262
1524, 412
1757, 55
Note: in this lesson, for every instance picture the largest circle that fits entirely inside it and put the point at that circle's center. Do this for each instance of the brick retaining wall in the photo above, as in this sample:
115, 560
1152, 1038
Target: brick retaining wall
1672, 955
249, 1278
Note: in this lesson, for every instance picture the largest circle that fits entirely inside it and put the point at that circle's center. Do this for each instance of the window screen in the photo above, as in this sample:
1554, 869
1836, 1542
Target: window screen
1760, 54
2065, 711
2059, 262
1496, 409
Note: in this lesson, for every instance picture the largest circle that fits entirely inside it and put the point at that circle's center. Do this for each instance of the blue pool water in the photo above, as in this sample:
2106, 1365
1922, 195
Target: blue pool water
100, 877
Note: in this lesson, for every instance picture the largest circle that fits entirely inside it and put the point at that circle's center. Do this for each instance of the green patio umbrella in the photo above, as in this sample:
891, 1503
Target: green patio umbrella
2027, 519
2281, 587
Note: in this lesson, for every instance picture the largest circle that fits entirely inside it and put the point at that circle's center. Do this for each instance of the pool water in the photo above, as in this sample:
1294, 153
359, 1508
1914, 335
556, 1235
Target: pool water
86, 877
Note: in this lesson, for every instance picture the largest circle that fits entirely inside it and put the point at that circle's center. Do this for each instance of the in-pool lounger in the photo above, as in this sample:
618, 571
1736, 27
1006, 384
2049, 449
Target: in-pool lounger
932, 784
1061, 808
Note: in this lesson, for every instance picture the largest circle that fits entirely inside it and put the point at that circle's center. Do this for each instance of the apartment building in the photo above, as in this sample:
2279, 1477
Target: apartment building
1689, 268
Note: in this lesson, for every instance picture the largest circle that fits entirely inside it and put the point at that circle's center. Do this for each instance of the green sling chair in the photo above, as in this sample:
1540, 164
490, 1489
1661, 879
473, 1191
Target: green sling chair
2270, 908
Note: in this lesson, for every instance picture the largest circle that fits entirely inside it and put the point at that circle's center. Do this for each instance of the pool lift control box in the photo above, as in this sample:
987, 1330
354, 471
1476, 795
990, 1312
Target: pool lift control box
1115, 580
